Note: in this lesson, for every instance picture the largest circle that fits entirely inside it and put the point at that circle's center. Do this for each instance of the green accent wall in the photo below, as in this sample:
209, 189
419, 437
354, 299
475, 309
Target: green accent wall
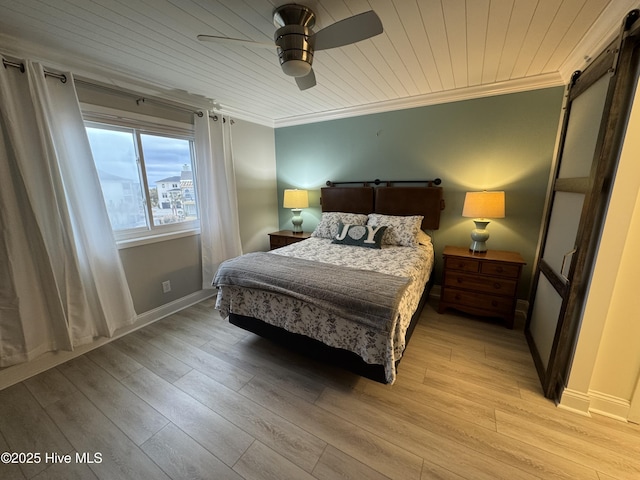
502, 142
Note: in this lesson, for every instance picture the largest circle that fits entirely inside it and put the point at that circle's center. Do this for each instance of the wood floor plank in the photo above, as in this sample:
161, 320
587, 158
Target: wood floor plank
594, 430
367, 448
176, 326
27, 428
210, 323
162, 364
49, 386
243, 355
261, 463
9, 471
562, 443
443, 438
182, 458
497, 367
63, 471
415, 436
114, 361
477, 375
287, 439
125, 409
462, 408
91, 432
431, 471
336, 464
213, 432
212, 366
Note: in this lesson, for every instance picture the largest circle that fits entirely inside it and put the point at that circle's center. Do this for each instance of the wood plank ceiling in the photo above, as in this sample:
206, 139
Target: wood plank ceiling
430, 51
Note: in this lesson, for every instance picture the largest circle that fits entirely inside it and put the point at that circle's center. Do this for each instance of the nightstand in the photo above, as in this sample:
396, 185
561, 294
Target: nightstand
286, 237
481, 283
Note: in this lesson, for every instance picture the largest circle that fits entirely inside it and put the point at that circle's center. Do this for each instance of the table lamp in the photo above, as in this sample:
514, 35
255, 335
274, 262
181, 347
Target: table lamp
481, 206
296, 200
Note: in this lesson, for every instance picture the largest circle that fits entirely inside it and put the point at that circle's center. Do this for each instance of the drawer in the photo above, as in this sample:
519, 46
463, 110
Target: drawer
477, 283
493, 303
277, 241
462, 264
500, 269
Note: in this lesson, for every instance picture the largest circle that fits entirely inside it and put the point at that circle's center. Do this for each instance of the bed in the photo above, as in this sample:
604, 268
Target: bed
329, 297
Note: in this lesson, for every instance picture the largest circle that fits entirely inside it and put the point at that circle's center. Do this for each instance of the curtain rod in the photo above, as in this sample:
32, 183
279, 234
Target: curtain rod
63, 78
20, 66
139, 99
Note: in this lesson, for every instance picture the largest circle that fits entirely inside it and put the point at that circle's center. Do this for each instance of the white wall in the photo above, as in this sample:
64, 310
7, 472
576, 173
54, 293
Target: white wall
606, 364
255, 167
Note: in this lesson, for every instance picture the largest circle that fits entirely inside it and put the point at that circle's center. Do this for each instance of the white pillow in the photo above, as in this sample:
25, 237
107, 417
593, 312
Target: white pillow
423, 238
328, 226
402, 230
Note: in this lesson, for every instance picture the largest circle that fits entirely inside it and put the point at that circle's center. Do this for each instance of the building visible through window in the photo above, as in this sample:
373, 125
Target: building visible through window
147, 179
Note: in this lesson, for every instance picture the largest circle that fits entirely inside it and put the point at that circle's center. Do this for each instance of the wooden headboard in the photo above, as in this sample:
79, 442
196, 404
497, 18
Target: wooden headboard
347, 199
388, 200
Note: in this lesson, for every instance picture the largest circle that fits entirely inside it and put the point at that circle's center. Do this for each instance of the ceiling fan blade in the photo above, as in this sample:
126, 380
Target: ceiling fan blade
234, 41
350, 30
308, 81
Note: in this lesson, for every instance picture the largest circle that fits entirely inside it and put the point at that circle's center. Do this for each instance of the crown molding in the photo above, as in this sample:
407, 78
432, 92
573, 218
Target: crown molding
598, 37
457, 95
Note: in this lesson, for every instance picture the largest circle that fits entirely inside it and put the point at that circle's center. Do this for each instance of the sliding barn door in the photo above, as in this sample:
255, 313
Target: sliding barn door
596, 111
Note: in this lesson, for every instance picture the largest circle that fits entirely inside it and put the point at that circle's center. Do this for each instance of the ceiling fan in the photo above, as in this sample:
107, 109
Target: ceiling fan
296, 42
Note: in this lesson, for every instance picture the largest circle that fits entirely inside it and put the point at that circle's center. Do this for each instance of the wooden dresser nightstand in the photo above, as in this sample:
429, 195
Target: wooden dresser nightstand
481, 283
286, 237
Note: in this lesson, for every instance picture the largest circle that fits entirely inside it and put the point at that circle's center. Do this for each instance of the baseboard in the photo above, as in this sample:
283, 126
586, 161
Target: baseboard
522, 308
595, 402
576, 402
20, 372
609, 406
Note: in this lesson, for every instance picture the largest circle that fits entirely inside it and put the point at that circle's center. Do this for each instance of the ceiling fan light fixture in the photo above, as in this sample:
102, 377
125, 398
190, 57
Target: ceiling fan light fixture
296, 68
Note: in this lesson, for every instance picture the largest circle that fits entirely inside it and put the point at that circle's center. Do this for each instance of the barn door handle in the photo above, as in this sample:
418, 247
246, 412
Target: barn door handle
564, 261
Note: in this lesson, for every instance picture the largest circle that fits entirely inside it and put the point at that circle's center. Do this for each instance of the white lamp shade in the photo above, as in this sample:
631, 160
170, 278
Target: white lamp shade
294, 198
483, 205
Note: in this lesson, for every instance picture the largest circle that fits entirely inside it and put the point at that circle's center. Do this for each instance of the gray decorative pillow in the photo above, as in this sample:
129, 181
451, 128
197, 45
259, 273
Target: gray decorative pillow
328, 226
402, 230
360, 235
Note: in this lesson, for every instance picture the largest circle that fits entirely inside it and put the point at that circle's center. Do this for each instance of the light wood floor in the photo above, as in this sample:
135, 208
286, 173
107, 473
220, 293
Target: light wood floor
194, 397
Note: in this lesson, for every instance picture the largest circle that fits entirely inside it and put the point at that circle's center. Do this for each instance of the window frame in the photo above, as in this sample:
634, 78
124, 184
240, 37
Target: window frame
100, 117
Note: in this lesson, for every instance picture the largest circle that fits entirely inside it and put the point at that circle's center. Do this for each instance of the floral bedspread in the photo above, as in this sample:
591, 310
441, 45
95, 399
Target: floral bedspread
299, 317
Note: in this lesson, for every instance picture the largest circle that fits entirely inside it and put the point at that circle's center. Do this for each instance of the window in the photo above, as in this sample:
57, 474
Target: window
147, 179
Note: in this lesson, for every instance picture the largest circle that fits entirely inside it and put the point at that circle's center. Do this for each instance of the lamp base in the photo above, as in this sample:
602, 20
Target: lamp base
296, 220
479, 236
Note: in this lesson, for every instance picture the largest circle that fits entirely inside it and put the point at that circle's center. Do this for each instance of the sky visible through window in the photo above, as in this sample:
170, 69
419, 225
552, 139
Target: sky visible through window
113, 151
168, 165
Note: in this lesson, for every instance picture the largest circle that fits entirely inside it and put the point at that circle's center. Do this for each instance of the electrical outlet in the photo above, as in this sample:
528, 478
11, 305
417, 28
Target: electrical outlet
166, 286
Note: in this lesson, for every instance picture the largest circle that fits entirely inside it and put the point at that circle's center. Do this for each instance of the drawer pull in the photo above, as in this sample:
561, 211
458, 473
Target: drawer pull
497, 285
499, 269
459, 280
494, 303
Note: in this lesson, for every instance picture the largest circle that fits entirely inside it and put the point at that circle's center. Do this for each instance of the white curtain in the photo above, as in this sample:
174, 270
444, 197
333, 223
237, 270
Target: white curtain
217, 197
61, 280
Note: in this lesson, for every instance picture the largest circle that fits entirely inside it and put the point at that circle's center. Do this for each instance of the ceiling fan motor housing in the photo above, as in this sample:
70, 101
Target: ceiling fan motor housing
295, 51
